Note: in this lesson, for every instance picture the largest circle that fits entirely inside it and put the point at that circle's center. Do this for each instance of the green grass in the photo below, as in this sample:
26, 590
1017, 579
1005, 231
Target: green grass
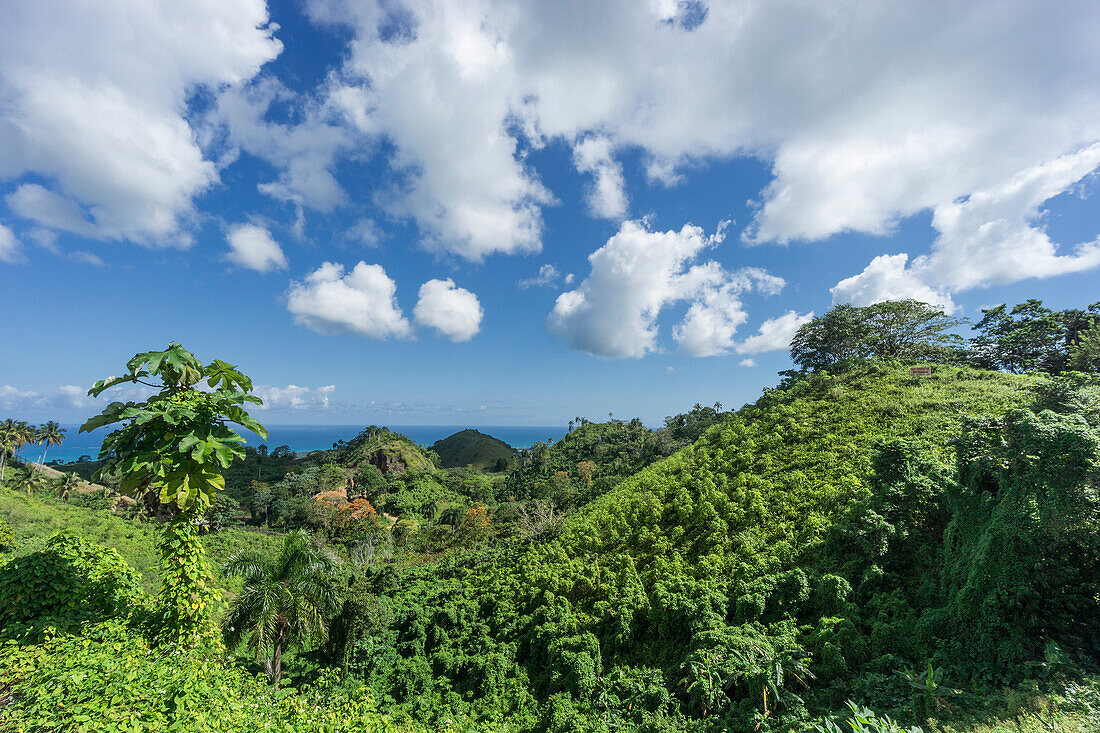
34, 518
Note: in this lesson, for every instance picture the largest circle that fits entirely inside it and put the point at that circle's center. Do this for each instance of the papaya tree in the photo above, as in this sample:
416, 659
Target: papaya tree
171, 447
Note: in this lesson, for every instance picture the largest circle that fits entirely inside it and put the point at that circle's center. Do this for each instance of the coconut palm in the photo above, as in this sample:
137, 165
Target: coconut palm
14, 434
286, 599
49, 434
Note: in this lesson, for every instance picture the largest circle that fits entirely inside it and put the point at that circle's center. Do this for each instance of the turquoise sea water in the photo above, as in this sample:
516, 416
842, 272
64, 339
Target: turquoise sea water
302, 438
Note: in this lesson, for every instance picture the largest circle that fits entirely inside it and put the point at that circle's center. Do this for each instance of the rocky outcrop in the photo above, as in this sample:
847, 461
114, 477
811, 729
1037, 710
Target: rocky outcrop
388, 461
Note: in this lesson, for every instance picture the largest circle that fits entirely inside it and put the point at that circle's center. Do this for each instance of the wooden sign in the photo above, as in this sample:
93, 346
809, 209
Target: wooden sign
924, 371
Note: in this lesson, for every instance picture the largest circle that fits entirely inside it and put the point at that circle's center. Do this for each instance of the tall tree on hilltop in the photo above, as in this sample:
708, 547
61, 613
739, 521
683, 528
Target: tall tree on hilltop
1085, 356
1031, 337
904, 329
910, 329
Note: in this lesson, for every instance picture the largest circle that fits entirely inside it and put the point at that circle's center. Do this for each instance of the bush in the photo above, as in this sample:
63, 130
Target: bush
112, 680
68, 578
7, 537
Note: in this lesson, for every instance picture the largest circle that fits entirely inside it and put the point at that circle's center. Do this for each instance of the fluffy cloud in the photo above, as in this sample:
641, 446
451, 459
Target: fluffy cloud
13, 398
866, 114
453, 311
293, 397
253, 247
11, 251
93, 100
988, 239
366, 232
636, 274
888, 278
607, 195
362, 302
775, 334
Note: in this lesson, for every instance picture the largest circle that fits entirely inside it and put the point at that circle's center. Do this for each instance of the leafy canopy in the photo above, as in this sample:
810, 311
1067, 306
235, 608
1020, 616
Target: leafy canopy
179, 439
1031, 337
903, 329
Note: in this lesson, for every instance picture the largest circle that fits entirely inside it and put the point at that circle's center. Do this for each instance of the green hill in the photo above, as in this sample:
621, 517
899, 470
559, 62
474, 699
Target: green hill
818, 545
387, 451
476, 449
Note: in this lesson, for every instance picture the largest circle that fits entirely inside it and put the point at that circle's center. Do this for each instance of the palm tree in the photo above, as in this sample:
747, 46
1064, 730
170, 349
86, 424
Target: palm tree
286, 599
67, 486
36, 482
7, 444
14, 434
49, 434
24, 434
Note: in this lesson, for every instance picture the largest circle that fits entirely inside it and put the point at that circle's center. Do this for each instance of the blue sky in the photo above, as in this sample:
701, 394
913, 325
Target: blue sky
493, 213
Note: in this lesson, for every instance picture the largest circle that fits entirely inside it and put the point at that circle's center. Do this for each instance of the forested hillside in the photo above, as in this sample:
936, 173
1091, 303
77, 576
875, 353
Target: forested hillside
817, 545
922, 542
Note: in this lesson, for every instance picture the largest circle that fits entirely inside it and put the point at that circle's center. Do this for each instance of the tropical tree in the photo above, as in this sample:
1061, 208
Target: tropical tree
286, 599
68, 484
49, 434
14, 434
1027, 338
904, 329
830, 340
1085, 356
171, 449
476, 527
910, 329
36, 483
7, 444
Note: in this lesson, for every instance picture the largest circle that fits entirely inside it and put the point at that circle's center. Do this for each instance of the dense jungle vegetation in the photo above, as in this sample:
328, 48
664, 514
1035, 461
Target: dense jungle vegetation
859, 546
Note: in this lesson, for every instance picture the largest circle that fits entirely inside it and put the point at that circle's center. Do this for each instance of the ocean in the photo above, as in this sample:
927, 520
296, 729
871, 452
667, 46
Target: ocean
304, 438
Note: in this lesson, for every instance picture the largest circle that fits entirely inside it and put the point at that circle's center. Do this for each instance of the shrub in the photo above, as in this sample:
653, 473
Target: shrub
111, 680
68, 578
7, 537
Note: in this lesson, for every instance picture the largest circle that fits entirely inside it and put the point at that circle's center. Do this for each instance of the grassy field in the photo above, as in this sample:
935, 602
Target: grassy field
34, 518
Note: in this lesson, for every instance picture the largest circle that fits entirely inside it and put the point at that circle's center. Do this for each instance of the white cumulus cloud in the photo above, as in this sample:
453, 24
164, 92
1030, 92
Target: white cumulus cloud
93, 99
635, 275
253, 247
548, 275
607, 194
866, 114
990, 238
362, 302
304, 152
774, 334
65, 402
453, 311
